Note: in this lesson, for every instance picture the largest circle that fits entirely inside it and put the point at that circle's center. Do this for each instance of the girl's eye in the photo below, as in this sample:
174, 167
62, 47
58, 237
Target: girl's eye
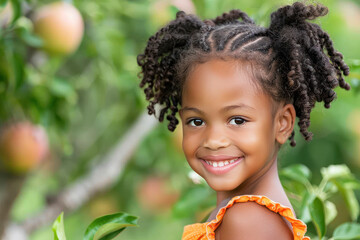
196, 122
238, 120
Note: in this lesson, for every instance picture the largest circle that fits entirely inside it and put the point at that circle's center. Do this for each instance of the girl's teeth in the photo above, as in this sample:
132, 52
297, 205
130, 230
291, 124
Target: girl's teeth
220, 164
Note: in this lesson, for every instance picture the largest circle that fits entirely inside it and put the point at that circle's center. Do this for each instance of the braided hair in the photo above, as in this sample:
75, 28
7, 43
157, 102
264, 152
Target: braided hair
298, 63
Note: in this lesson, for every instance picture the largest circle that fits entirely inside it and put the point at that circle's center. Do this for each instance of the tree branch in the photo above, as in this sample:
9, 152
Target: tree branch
10, 186
100, 178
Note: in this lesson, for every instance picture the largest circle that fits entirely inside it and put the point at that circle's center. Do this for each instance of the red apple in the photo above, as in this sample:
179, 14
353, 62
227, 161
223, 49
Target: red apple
61, 27
22, 147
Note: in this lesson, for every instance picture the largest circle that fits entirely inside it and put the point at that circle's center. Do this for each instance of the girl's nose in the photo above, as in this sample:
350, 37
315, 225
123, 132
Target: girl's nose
215, 139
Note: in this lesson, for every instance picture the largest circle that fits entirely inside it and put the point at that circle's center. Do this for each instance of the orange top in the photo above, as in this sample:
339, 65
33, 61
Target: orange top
206, 231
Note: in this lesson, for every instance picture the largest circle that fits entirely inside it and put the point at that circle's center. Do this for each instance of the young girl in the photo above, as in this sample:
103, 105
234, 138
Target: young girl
240, 87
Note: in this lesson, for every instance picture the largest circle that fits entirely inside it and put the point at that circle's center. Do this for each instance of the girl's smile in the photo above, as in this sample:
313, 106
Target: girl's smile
221, 167
229, 131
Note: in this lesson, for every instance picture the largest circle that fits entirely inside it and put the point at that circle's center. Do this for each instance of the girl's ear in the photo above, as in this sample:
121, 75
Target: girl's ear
285, 123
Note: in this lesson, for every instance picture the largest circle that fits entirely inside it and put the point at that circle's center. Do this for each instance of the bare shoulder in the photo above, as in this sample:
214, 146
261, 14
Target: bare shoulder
252, 221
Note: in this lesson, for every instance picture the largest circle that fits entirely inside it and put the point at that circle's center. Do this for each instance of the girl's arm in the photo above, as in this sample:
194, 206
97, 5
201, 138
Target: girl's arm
252, 221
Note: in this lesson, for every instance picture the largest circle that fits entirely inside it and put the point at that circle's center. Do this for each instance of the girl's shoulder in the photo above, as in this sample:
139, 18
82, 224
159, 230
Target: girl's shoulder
249, 220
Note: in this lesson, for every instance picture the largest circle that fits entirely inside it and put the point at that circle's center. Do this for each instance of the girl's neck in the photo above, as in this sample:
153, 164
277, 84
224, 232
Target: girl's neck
267, 183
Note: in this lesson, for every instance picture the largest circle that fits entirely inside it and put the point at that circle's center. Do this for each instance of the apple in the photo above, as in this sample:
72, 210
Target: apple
155, 194
61, 27
23, 146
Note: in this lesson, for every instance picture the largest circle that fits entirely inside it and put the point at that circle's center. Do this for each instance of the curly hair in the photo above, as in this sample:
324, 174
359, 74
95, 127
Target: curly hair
297, 59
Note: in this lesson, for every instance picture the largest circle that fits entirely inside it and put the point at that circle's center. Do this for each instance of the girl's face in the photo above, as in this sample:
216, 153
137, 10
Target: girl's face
229, 122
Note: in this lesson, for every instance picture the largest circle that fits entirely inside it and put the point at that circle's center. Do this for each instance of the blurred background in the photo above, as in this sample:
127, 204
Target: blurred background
68, 79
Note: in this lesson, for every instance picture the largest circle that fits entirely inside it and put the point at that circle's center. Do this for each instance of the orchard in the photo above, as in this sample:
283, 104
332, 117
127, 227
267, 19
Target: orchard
76, 142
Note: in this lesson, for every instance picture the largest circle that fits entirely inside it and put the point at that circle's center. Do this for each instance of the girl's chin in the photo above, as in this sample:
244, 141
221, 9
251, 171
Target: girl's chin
222, 186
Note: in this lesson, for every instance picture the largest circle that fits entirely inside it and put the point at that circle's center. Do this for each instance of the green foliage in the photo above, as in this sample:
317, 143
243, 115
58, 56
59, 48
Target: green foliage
312, 202
103, 228
109, 226
317, 213
347, 231
354, 76
58, 228
199, 197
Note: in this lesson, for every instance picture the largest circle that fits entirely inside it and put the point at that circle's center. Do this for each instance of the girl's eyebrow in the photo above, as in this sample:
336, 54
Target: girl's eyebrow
190, 109
225, 109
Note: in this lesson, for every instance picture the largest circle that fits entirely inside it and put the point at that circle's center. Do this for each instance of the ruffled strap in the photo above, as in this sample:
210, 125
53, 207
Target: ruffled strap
195, 231
299, 227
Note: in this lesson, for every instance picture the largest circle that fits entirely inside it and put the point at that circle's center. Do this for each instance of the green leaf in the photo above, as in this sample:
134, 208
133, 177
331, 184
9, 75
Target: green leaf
347, 231
16, 5
111, 235
317, 214
24, 29
297, 172
61, 88
110, 230
330, 212
335, 171
350, 182
304, 209
58, 228
350, 199
109, 226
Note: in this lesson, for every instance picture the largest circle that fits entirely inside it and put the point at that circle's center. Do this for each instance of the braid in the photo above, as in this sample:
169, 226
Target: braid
297, 61
312, 75
158, 60
231, 17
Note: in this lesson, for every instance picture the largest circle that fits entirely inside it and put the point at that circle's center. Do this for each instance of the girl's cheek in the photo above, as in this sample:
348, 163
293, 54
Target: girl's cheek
188, 144
251, 140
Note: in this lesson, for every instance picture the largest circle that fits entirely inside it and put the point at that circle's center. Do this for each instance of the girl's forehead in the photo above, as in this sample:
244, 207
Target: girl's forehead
219, 83
218, 75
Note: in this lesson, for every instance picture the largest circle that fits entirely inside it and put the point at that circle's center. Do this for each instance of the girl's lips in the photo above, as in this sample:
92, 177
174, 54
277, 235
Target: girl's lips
218, 170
